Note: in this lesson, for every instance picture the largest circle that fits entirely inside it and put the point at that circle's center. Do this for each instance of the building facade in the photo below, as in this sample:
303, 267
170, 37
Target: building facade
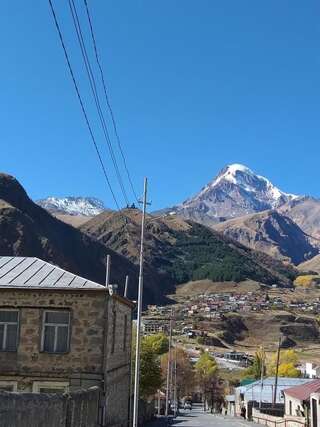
60, 332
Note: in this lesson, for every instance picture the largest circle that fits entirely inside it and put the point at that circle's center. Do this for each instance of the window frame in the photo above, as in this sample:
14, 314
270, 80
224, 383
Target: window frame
55, 325
14, 385
54, 385
17, 323
125, 333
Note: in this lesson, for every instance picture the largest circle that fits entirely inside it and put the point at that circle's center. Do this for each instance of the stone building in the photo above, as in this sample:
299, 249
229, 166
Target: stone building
60, 332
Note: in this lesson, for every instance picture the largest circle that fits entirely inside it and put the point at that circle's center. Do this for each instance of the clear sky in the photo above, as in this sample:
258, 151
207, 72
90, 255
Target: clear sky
194, 84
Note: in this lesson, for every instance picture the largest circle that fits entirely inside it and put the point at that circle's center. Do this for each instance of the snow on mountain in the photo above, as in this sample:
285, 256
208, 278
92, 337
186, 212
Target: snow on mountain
87, 206
236, 191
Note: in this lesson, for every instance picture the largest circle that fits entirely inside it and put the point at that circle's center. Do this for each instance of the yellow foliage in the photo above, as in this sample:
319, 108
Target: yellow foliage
307, 281
287, 366
288, 370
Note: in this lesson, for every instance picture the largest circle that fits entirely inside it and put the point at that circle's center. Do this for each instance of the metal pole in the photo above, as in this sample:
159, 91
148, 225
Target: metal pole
277, 372
126, 287
108, 270
175, 382
140, 292
262, 375
168, 369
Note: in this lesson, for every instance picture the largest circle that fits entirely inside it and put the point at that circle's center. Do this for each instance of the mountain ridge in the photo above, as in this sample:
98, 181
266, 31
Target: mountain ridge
72, 205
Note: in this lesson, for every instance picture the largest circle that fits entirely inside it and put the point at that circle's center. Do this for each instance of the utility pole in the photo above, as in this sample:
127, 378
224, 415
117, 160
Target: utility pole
262, 375
126, 287
108, 270
168, 368
140, 293
274, 400
175, 382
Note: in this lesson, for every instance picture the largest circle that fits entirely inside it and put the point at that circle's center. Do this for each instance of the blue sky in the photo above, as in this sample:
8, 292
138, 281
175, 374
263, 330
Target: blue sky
195, 85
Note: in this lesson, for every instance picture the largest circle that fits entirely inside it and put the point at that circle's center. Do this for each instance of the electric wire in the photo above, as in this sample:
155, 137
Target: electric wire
94, 90
108, 101
81, 103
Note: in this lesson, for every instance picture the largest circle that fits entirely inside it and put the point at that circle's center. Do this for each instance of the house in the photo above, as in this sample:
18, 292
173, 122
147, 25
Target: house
154, 326
312, 370
315, 410
297, 399
61, 332
252, 394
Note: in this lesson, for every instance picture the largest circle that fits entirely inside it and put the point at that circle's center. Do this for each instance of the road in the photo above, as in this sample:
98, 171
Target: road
198, 418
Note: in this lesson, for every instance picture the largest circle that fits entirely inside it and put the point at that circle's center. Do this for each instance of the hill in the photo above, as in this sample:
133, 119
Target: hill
311, 265
26, 229
181, 250
304, 211
272, 233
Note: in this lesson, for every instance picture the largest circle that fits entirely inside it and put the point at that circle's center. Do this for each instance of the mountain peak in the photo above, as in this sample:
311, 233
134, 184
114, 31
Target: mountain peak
86, 206
235, 191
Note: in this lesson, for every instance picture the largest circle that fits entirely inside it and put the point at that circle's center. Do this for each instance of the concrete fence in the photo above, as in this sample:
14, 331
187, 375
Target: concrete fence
272, 421
77, 409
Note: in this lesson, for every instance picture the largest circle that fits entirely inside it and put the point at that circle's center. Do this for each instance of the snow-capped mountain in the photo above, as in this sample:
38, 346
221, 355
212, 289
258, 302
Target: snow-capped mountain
86, 206
236, 191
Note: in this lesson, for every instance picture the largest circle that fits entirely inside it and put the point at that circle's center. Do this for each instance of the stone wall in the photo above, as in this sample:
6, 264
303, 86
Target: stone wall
82, 366
51, 410
118, 368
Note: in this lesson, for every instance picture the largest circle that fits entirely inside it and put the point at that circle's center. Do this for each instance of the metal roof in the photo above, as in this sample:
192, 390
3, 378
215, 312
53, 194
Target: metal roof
303, 391
30, 273
254, 391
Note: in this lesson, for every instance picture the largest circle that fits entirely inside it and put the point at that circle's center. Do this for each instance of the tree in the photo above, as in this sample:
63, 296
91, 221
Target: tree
185, 372
159, 343
254, 371
150, 370
287, 364
210, 383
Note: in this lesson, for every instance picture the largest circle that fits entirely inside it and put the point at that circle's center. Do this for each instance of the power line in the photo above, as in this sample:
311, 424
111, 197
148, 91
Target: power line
108, 101
93, 86
81, 102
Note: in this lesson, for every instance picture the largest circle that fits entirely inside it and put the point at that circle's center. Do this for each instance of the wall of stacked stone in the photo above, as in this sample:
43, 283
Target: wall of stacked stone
51, 410
118, 367
86, 344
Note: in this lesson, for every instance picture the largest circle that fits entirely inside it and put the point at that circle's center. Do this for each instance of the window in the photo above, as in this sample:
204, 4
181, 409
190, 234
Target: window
55, 331
290, 407
8, 386
50, 387
125, 333
9, 321
114, 325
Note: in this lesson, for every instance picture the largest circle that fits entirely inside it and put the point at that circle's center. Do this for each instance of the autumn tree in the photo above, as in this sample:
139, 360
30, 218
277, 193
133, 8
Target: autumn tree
288, 363
207, 375
185, 372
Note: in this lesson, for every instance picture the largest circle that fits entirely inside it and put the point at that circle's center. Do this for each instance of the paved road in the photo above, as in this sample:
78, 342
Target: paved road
198, 418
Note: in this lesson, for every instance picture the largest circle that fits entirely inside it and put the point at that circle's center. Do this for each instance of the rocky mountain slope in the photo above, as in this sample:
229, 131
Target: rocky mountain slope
83, 206
181, 250
28, 230
272, 233
313, 265
305, 212
235, 192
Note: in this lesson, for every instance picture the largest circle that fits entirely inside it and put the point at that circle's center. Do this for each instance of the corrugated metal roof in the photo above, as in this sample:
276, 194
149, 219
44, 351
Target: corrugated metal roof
303, 391
254, 391
30, 272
